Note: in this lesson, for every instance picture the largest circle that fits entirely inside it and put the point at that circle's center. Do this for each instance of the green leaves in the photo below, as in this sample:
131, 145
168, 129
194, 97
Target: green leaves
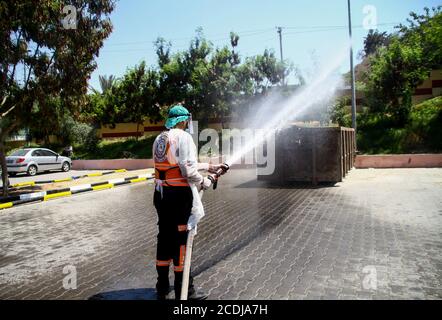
396, 70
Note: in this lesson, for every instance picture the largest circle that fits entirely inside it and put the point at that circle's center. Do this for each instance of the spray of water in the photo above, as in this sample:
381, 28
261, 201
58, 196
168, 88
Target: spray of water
273, 115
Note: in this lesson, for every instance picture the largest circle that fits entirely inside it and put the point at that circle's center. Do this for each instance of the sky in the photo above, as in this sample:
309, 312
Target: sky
312, 31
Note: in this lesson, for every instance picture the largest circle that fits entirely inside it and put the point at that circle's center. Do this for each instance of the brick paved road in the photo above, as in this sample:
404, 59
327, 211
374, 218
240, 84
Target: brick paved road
257, 241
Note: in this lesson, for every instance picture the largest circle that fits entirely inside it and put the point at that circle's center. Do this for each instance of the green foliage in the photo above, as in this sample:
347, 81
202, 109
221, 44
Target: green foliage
396, 70
118, 149
56, 61
53, 61
426, 120
340, 112
75, 132
106, 83
378, 134
394, 74
91, 141
374, 41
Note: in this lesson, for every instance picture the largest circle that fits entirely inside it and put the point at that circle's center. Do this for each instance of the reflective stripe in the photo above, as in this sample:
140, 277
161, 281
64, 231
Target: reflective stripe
163, 263
180, 266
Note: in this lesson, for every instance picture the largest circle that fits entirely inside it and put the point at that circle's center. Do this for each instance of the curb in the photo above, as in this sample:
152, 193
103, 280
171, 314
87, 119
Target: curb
33, 183
65, 192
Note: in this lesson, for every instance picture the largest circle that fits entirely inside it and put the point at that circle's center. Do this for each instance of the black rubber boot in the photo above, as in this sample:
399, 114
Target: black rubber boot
194, 294
163, 286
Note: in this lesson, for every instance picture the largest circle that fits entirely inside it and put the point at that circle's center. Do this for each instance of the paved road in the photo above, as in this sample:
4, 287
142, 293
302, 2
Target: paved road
378, 235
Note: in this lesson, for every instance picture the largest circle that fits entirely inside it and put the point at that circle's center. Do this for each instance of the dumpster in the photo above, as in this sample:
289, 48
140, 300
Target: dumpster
312, 154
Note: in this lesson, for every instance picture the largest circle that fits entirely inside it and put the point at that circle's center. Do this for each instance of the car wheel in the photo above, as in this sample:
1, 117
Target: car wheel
32, 170
66, 167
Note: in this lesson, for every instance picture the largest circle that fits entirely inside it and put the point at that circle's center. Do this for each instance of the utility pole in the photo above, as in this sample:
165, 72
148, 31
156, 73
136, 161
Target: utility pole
280, 49
352, 71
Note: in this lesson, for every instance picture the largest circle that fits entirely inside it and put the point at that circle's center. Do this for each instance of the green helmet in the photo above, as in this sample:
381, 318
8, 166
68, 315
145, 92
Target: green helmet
176, 115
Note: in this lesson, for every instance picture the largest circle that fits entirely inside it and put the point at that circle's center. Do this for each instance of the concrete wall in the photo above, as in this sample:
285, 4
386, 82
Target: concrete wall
430, 88
112, 164
361, 162
147, 128
399, 161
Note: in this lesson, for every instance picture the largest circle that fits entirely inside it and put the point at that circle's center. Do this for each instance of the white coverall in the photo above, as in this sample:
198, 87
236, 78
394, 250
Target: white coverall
184, 153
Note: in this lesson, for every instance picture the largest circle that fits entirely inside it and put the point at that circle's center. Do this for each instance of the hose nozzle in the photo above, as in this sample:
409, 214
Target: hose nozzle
222, 170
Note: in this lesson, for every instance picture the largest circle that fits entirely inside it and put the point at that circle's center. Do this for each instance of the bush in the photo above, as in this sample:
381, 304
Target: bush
378, 132
91, 140
117, 149
74, 132
340, 113
425, 124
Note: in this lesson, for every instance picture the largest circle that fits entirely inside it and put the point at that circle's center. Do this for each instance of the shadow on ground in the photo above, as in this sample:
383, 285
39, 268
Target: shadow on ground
127, 294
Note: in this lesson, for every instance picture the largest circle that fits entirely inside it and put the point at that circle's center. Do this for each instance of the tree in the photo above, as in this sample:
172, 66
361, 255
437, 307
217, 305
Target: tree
395, 71
210, 82
374, 41
136, 96
40, 57
106, 83
214, 82
425, 30
394, 75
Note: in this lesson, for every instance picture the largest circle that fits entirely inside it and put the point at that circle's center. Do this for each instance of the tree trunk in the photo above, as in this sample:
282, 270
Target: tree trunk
5, 179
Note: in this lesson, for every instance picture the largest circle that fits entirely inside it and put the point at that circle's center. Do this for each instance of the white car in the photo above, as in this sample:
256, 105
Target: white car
35, 160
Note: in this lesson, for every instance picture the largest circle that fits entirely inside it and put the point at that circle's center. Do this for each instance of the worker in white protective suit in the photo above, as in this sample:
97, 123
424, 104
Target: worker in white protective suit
176, 198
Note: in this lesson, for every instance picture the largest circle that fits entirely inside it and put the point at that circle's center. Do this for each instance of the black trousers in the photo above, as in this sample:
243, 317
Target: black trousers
173, 209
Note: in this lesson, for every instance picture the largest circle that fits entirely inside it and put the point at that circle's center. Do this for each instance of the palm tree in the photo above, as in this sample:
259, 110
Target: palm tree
106, 83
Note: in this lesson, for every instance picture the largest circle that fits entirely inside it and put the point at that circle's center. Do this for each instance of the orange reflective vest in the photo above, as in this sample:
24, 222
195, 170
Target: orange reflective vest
167, 171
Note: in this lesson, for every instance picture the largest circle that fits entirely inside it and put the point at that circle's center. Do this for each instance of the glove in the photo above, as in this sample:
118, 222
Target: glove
213, 168
206, 183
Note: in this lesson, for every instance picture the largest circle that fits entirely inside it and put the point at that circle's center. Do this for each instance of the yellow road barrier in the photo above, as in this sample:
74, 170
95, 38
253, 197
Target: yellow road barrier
5, 205
103, 186
57, 195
